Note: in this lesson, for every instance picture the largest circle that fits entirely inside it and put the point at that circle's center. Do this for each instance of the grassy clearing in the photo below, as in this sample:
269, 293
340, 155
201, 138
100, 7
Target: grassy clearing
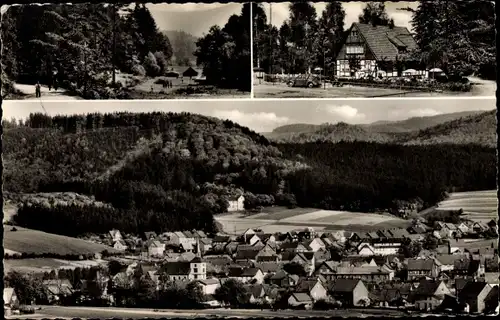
476, 205
283, 220
44, 264
38, 242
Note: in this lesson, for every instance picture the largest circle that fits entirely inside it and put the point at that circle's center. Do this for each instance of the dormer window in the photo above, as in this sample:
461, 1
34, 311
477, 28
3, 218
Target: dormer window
354, 33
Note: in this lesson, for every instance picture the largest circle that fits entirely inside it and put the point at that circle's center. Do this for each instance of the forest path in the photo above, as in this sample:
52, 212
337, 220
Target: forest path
30, 89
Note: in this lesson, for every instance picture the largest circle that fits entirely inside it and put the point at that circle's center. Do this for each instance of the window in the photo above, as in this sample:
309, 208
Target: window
196, 276
195, 270
354, 49
354, 33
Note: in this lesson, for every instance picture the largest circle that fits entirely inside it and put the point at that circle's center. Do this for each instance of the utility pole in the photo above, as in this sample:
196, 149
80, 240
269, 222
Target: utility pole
271, 40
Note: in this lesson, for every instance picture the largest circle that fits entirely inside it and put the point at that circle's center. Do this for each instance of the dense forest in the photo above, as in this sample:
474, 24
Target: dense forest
475, 128
168, 171
81, 46
456, 36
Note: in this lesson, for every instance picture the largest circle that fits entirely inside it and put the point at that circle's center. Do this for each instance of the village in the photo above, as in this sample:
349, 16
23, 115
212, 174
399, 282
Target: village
440, 268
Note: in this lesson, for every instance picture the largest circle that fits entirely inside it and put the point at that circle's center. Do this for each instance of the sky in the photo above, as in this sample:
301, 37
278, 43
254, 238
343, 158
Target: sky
265, 115
280, 12
193, 18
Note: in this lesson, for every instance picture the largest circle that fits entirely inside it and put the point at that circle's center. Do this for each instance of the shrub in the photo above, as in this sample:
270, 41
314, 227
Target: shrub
162, 81
151, 66
324, 305
26, 309
161, 61
138, 70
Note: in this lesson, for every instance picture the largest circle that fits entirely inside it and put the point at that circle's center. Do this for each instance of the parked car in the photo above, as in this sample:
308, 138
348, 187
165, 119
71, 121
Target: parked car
305, 82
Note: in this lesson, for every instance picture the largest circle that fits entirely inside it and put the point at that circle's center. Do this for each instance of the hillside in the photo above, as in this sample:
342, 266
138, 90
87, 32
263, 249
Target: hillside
183, 47
175, 171
418, 123
457, 128
28, 241
480, 129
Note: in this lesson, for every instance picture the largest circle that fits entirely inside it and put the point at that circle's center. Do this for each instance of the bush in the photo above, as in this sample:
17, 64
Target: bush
324, 305
161, 61
26, 309
138, 70
151, 66
162, 81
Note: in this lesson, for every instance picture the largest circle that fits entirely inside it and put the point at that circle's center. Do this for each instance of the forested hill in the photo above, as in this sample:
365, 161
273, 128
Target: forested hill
183, 47
457, 128
175, 171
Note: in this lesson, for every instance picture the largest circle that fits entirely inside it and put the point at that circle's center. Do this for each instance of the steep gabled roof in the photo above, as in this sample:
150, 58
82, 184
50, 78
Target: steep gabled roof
420, 264
384, 41
471, 290
302, 297
176, 268
345, 285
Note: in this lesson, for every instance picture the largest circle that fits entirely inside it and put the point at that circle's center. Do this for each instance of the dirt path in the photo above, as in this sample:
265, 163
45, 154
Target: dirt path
29, 90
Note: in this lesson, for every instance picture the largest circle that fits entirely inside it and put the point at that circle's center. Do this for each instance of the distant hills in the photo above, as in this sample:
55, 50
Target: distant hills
183, 47
459, 128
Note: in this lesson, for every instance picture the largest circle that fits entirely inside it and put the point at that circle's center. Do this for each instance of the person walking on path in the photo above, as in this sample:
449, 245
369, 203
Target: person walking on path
38, 92
50, 86
55, 85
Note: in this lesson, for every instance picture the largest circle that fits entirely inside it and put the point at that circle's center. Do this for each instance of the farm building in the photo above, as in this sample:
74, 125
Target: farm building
190, 73
236, 203
375, 50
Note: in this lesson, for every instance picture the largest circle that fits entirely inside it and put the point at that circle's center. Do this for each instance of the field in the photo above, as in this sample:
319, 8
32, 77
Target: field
476, 205
133, 313
45, 264
278, 219
38, 242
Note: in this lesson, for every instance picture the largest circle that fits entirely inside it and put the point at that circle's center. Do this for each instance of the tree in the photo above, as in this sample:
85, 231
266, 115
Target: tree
374, 13
295, 268
303, 25
330, 32
232, 292
430, 242
28, 289
411, 249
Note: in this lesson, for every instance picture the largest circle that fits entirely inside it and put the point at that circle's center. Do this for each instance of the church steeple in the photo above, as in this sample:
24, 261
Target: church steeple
198, 249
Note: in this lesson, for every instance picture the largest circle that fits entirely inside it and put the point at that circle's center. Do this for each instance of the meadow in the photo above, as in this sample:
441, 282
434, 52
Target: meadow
279, 219
476, 205
29, 241
45, 264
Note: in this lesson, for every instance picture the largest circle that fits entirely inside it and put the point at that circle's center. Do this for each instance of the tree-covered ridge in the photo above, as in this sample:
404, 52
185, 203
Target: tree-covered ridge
174, 171
183, 46
478, 128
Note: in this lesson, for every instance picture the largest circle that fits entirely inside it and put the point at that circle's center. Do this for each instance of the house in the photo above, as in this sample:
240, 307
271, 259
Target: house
10, 299
351, 292
420, 268
366, 273
467, 268
300, 300
150, 235
446, 262
382, 248
491, 301
205, 244
220, 240
315, 244
268, 267
429, 294
474, 294
246, 275
120, 245
374, 50
313, 287
195, 269
322, 255
208, 286
156, 249
190, 73
115, 235
294, 247
57, 289
283, 279
306, 260
236, 203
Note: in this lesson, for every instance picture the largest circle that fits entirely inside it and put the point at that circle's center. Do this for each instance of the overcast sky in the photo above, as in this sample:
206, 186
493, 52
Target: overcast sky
265, 115
280, 12
193, 18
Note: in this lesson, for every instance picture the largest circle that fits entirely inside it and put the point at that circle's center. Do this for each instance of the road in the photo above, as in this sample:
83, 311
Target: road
486, 88
133, 313
29, 90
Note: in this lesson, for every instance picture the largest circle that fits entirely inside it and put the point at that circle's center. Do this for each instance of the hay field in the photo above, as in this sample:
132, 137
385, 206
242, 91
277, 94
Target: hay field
37, 242
476, 205
284, 220
46, 264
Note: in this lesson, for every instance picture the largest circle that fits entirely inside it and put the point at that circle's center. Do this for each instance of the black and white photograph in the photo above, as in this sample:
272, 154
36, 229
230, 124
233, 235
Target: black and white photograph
371, 49
126, 51
202, 208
